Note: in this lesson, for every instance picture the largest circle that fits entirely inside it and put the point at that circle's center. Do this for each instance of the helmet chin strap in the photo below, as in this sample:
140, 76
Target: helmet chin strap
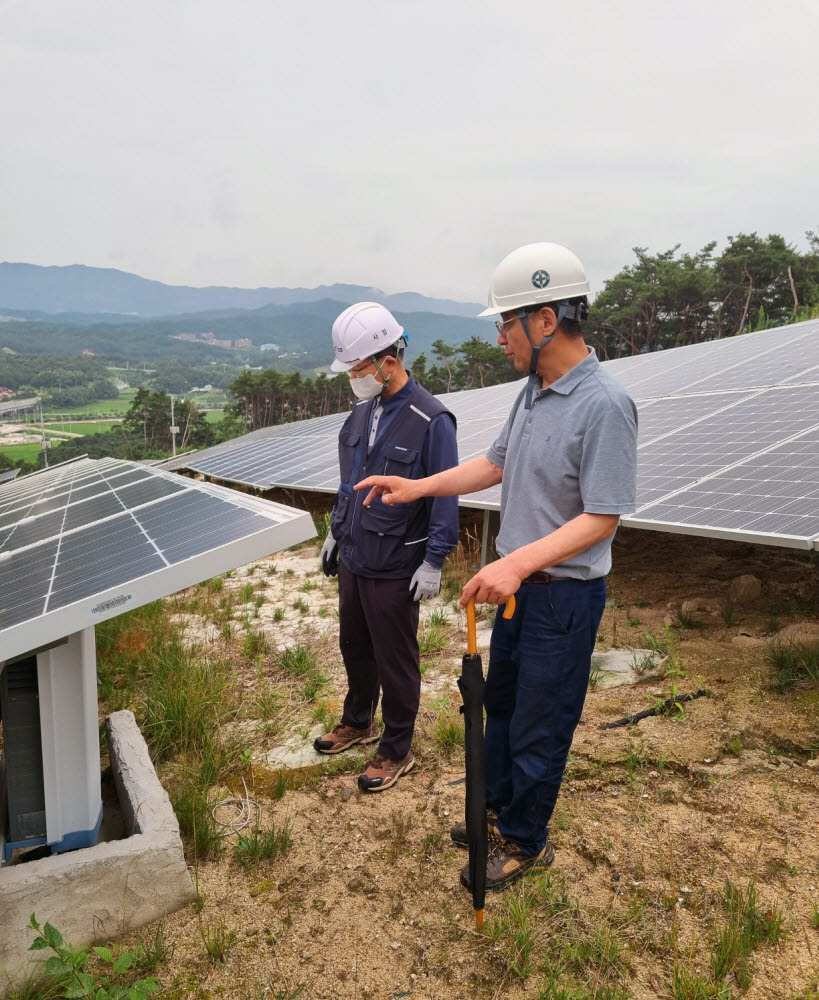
533, 376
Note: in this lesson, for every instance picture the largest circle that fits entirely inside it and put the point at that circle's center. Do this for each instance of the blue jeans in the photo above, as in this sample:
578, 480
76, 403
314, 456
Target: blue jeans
539, 664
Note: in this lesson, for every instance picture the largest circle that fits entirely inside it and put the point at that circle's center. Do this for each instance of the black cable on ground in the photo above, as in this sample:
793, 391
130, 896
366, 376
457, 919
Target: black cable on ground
664, 708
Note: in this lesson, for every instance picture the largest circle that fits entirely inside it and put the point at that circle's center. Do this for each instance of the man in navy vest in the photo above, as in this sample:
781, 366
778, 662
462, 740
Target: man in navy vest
387, 558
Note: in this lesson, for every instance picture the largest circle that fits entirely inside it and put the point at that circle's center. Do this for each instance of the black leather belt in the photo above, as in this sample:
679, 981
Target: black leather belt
541, 577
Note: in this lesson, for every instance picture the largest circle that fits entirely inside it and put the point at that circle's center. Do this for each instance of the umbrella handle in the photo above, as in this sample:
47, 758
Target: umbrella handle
471, 627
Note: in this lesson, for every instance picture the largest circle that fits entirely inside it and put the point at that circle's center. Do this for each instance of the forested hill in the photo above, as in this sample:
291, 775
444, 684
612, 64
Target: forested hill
81, 289
300, 331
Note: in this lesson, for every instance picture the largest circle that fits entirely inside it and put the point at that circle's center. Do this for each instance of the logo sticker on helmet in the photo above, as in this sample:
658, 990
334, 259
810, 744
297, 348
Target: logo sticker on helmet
540, 279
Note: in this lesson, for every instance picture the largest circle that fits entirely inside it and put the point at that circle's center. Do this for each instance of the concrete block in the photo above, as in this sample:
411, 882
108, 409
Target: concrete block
97, 893
621, 667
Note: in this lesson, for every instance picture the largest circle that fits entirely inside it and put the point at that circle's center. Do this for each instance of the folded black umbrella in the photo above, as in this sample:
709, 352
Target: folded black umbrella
471, 683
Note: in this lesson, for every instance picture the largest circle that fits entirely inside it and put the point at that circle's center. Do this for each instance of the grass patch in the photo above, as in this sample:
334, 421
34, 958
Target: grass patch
540, 933
432, 638
791, 662
298, 660
263, 845
181, 700
19, 453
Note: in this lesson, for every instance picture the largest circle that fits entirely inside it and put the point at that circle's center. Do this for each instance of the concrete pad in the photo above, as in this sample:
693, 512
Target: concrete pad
297, 752
620, 667
97, 893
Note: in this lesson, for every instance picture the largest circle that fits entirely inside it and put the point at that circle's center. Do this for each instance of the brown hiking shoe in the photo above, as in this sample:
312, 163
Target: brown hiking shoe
343, 737
458, 832
507, 863
382, 772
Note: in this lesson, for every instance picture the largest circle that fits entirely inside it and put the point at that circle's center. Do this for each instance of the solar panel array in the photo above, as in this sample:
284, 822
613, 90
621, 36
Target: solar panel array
83, 542
726, 439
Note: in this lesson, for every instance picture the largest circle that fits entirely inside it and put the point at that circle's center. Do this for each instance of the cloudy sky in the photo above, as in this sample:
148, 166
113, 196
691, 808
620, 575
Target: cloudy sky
407, 145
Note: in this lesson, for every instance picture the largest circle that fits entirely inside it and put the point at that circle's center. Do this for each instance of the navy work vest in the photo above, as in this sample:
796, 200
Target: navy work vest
380, 540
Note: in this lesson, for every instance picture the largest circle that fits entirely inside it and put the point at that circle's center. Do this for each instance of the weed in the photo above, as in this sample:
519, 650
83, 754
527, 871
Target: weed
271, 569
254, 645
432, 639
635, 762
432, 843
214, 585
324, 714
685, 619
154, 951
67, 967
217, 939
728, 613
193, 811
814, 916
735, 746
791, 662
246, 592
278, 614
460, 566
323, 526
448, 733
315, 681
309, 585
298, 660
665, 644
745, 929
687, 984
596, 674
519, 911
258, 846
438, 617
300, 605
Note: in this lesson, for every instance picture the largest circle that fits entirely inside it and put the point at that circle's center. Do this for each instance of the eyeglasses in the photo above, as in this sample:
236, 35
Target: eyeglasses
501, 323
355, 372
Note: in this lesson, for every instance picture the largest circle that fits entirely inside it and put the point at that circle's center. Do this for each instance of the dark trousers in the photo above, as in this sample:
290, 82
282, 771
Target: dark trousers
539, 665
378, 626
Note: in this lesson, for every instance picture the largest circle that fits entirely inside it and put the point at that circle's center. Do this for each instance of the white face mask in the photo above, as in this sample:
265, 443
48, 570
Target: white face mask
366, 387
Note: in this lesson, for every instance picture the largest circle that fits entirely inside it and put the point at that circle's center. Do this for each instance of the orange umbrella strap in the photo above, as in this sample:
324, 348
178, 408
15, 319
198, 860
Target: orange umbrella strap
471, 627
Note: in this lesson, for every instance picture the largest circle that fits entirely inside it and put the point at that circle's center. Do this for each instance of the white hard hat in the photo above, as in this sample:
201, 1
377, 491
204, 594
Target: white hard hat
362, 330
535, 273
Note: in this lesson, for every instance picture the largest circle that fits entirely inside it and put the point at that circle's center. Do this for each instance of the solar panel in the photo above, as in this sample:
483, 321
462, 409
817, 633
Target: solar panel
84, 542
702, 409
775, 491
7, 475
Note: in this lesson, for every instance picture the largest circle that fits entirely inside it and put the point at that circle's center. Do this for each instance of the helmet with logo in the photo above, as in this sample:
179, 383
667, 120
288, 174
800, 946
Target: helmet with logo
362, 330
535, 273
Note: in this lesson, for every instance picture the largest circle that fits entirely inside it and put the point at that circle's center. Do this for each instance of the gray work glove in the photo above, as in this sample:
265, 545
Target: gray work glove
329, 555
425, 583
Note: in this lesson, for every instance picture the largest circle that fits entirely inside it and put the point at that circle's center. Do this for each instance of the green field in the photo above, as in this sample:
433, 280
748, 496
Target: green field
104, 406
215, 416
24, 452
84, 426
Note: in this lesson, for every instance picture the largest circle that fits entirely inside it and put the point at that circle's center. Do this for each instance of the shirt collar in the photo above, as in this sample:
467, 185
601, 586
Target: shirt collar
398, 397
574, 376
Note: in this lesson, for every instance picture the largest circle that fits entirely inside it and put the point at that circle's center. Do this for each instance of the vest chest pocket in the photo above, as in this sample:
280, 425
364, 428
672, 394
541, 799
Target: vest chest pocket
398, 461
347, 444
384, 534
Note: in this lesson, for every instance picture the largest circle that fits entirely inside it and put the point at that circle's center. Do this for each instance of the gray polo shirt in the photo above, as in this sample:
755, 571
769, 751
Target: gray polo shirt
574, 452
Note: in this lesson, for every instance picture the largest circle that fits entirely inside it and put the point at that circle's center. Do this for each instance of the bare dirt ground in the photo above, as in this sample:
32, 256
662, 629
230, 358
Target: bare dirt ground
652, 823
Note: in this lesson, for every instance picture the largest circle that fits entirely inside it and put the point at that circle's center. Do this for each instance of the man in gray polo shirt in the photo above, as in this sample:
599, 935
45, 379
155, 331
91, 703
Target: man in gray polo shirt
566, 459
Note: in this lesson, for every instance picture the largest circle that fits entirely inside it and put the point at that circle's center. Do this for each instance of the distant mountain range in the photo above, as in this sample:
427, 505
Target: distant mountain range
75, 291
